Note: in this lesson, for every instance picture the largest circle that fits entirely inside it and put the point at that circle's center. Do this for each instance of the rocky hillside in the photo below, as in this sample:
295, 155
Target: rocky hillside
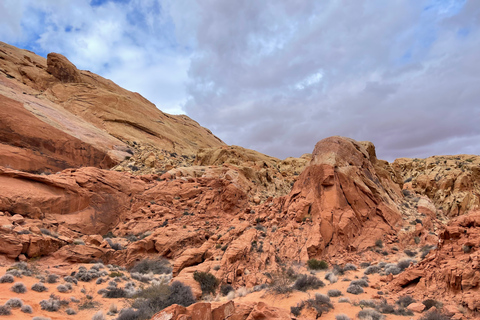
451, 182
62, 117
90, 172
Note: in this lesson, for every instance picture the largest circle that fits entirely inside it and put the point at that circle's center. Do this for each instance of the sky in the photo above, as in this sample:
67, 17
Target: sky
278, 76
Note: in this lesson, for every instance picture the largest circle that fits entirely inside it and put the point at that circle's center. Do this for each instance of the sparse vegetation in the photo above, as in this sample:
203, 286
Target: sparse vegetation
334, 293
7, 278
5, 310
429, 303
354, 289
349, 267
14, 303
379, 243
321, 303
26, 309
208, 282
39, 287
19, 287
307, 282
315, 264
155, 266
405, 301
370, 314
410, 253
435, 315
342, 317
225, 289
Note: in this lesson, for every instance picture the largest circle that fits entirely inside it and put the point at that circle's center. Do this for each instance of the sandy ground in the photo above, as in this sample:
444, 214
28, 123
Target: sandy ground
33, 298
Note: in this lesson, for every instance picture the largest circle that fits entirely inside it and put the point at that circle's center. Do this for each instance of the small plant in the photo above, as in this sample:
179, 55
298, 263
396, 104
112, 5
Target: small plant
156, 266
379, 243
26, 309
342, 317
370, 314
39, 287
434, 315
315, 264
344, 300
349, 267
225, 289
14, 303
372, 270
52, 304
115, 274
7, 278
19, 287
410, 253
330, 276
306, 282
99, 316
62, 288
70, 312
417, 240
403, 264
208, 282
429, 303
405, 301
5, 310
354, 289
359, 282
466, 248
52, 278
334, 293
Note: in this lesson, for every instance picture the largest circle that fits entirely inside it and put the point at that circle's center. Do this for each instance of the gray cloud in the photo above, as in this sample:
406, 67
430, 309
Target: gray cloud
279, 76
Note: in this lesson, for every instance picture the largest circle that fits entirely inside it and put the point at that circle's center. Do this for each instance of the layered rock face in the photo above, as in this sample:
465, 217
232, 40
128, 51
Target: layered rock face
451, 271
63, 117
452, 182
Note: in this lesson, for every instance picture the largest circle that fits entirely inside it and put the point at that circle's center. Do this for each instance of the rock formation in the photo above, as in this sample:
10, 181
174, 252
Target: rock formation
63, 117
452, 182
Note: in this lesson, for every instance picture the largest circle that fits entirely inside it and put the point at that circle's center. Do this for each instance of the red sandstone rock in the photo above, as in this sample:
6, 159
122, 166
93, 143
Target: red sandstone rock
416, 307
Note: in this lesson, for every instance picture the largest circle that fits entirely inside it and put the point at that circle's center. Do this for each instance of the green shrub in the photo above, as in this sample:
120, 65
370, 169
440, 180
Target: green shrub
315, 264
208, 282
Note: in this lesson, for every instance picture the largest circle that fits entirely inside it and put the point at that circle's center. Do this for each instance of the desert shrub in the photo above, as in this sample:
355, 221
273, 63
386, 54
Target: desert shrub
62, 288
141, 277
114, 245
426, 250
19, 287
321, 303
14, 303
15, 272
296, 310
39, 287
114, 293
70, 312
370, 314
360, 282
41, 318
129, 314
381, 264
392, 270
349, 267
379, 243
315, 264
26, 309
432, 303
331, 277
384, 307
225, 289
405, 301
435, 315
342, 317
364, 265
354, 289
344, 300
410, 253
115, 274
155, 266
368, 303
307, 282
70, 279
208, 282
334, 293
5, 310
51, 304
7, 278
403, 264
466, 248
155, 298
99, 316
99, 281
338, 270
372, 270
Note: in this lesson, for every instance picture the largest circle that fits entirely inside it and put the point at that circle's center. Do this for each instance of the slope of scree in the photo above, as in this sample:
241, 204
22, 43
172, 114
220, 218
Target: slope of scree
54, 97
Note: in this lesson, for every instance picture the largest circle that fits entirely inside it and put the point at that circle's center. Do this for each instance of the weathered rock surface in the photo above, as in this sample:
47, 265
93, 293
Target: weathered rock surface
220, 311
62, 117
452, 182
452, 271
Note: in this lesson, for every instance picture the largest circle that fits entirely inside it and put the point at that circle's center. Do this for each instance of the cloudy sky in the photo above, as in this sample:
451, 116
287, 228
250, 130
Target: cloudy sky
278, 76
